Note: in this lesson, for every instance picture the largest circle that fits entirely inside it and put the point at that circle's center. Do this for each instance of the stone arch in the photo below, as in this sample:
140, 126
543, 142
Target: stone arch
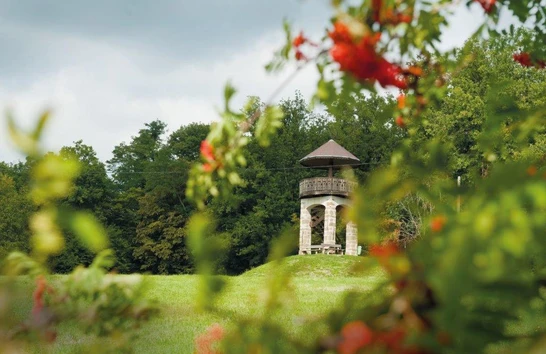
321, 211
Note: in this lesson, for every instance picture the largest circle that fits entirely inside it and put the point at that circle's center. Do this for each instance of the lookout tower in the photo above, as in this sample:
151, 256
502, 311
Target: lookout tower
323, 197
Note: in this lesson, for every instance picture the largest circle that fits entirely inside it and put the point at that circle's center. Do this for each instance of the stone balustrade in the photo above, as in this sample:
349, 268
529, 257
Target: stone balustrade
326, 186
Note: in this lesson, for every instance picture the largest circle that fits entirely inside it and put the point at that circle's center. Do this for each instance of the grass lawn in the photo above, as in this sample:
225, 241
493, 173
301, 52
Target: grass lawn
317, 285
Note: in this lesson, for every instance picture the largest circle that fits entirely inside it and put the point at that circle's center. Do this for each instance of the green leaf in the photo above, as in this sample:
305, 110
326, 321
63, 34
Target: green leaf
42, 121
268, 124
17, 263
229, 92
89, 231
22, 141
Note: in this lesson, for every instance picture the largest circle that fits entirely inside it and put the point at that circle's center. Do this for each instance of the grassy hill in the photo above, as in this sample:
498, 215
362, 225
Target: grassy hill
318, 265
316, 286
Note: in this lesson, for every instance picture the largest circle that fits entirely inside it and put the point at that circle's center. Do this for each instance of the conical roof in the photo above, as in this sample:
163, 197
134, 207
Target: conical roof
329, 155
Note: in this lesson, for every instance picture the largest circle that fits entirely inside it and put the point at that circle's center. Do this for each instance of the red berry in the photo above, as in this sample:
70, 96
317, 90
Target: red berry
299, 40
340, 33
207, 150
355, 335
385, 250
523, 58
401, 101
437, 223
300, 56
488, 5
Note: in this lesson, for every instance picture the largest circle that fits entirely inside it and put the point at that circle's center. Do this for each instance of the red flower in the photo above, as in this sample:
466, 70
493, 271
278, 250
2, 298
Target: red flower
207, 167
38, 295
299, 40
340, 33
361, 59
523, 58
205, 343
532, 170
385, 250
392, 340
401, 101
345, 55
355, 335
207, 150
400, 122
300, 56
437, 223
390, 74
488, 5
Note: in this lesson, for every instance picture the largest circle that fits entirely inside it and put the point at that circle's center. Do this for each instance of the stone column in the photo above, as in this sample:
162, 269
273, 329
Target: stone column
330, 222
351, 239
305, 229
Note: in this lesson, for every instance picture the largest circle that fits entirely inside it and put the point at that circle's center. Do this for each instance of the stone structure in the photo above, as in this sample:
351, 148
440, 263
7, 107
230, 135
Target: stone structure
321, 197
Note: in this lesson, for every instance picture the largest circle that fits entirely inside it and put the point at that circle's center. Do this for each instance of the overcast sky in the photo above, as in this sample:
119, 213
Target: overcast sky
107, 67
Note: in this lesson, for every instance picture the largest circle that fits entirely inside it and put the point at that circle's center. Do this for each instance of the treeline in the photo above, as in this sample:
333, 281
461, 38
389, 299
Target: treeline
139, 194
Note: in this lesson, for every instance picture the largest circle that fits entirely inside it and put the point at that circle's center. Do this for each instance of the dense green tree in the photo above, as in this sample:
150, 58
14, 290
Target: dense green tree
364, 126
490, 91
163, 210
130, 161
160, 238
19, 172
93, 191
14, 213
464, 121
144, 207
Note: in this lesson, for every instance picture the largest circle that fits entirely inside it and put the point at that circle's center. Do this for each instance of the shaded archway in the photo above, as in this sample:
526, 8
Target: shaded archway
341, 226
317, 224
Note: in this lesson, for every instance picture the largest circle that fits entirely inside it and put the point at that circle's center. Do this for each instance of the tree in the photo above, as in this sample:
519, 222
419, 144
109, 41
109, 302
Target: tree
463, 120
14, 213
131, 160
93, 191
19, 172
260, 209
159, 241
365, 127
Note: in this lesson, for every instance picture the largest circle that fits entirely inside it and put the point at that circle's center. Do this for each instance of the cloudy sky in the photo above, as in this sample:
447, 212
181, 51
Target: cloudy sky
107, 67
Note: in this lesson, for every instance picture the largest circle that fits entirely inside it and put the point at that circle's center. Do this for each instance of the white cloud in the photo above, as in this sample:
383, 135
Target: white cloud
104, 97
103, 90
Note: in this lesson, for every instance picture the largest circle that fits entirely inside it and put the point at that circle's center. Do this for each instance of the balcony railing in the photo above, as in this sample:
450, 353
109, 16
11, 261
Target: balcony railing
326, 186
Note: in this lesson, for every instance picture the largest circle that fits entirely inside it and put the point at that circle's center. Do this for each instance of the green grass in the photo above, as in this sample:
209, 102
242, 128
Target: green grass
317, 286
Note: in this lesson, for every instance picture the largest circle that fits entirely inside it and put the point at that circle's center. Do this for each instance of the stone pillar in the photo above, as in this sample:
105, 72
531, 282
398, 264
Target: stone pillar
330, 222
305, 229
351, 239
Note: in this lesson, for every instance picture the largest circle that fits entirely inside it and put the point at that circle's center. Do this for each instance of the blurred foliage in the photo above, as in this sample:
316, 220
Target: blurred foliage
102, 304
475, 280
